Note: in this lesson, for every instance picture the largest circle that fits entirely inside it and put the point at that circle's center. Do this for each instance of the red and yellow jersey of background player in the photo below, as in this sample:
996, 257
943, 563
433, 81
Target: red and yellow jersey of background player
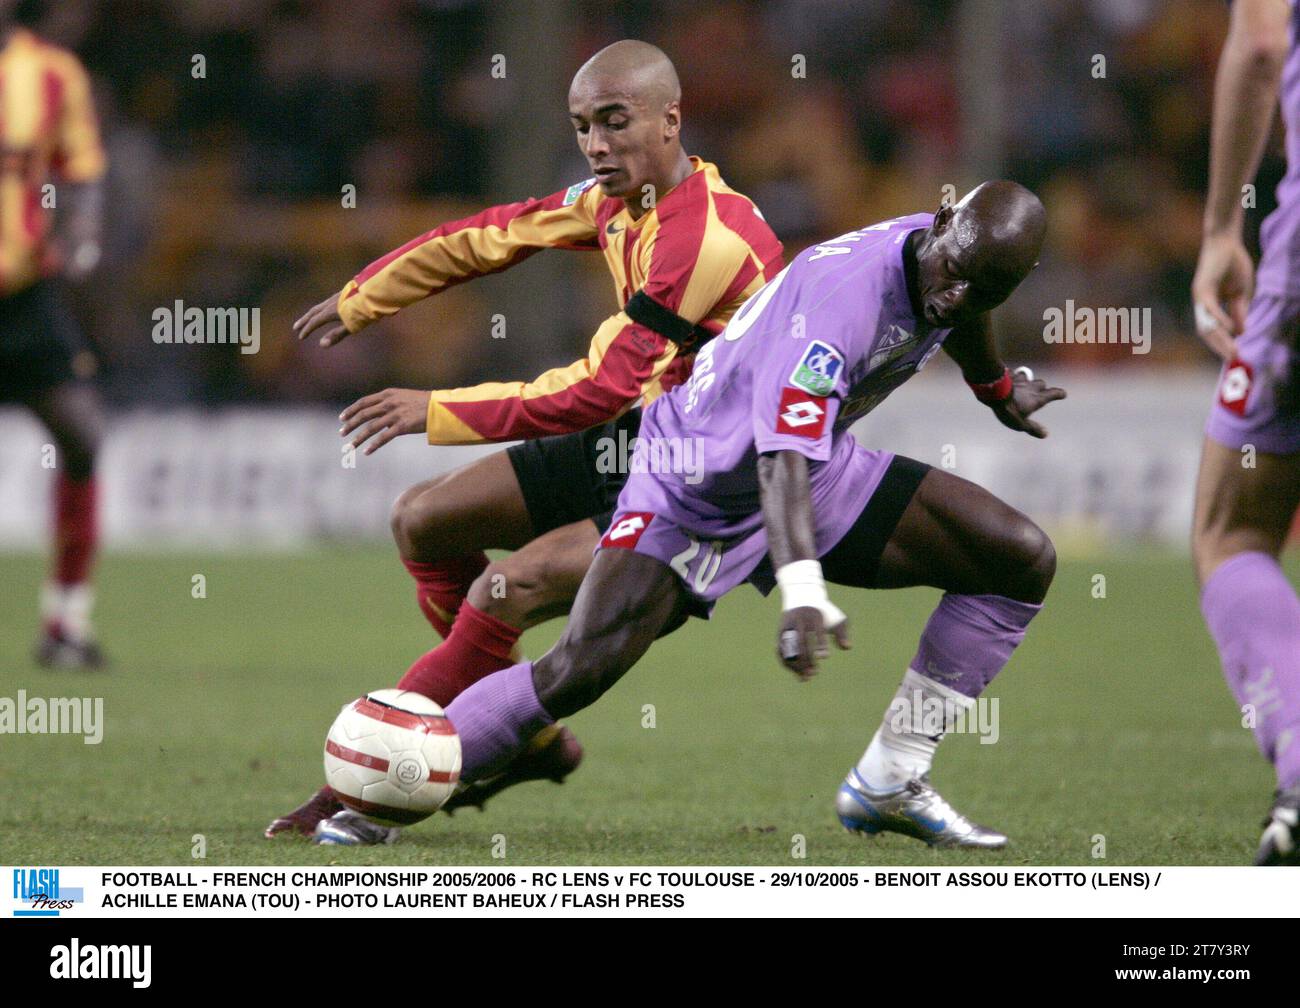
684, 266
47, 128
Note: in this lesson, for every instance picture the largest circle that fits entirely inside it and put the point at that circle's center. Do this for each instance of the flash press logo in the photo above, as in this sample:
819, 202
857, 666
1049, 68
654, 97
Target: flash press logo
38, 893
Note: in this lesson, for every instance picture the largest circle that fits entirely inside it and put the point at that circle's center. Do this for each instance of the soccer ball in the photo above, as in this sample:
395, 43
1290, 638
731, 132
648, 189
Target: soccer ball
393, 756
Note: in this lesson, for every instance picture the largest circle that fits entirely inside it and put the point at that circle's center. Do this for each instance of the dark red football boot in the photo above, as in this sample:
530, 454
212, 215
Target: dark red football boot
552, 754
304, 818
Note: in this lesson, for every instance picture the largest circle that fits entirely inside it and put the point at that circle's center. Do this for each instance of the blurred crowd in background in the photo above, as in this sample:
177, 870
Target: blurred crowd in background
227, 189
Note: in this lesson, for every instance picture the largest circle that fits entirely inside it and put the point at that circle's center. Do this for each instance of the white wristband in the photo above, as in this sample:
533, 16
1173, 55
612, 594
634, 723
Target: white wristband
802, 585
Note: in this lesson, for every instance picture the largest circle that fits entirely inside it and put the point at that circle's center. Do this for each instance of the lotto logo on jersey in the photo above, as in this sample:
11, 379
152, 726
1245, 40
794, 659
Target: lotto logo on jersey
817, 370
1234, 387
626, 530
801, 414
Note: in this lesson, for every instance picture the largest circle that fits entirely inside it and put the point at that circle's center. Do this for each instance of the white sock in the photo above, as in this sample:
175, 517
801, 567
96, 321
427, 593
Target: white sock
68, 607
904, 745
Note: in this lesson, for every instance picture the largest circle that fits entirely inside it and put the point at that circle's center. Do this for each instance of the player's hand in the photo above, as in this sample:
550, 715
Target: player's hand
801, 642
1225, 278
1028, 396
384, 416
322, 320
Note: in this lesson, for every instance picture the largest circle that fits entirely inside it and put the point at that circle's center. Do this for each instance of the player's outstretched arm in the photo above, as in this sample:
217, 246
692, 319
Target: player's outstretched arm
488, 242
807, 612
1245, 94
624, 359
1013, 398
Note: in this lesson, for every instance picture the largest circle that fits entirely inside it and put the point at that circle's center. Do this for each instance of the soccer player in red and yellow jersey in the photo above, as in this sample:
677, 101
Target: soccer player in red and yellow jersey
684, 251
51, 162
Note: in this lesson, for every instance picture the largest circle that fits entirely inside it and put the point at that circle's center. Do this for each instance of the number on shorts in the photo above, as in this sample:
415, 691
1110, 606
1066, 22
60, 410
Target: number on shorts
707, 568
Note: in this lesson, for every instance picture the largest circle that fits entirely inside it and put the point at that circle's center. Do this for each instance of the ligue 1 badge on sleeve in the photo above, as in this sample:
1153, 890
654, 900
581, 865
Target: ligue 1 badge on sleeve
577, 189
817, 369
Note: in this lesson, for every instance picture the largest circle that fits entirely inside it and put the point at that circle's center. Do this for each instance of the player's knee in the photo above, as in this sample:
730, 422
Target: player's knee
1032, 561
415, 520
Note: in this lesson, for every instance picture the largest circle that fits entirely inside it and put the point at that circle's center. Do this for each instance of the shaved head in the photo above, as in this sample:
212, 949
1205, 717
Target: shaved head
1001, 224
625, 105
634, 69
976, 253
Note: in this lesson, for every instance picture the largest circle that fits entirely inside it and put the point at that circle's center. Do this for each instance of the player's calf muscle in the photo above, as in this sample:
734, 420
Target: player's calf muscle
626, 600
538, 581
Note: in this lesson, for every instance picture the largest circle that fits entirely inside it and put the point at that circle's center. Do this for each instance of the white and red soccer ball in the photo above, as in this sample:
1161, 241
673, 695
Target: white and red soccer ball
393, 756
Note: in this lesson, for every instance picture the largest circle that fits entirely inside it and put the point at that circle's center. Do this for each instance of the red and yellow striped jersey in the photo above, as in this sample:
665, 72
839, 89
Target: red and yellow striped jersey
698, 254
47, 128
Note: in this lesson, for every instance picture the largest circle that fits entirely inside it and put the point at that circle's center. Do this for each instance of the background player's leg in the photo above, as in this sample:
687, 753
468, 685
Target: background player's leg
533, 584
995, 567
74, 416
625, 601
1241, 523
443, 525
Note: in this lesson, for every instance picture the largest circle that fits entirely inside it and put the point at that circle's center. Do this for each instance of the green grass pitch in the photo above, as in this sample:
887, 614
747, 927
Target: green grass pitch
1114, 721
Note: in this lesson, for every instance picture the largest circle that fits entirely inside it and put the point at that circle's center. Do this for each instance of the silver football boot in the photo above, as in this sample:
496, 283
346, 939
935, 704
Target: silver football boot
916, 810
351, 829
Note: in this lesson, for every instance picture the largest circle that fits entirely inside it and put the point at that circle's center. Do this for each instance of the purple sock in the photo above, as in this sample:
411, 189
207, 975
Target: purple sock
969, 638
495, 718
1254, 617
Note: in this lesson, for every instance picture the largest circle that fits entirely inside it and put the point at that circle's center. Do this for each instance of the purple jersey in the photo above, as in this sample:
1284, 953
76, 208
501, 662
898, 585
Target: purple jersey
814, 350
1279, 237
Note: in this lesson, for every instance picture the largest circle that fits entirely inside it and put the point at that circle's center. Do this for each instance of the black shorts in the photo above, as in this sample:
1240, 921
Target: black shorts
40, 344
854, 561
568, 477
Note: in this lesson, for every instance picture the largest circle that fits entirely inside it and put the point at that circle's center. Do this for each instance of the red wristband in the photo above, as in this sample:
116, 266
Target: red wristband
994, 391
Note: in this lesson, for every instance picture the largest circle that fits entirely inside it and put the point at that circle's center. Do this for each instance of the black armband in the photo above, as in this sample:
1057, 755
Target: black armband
644, 310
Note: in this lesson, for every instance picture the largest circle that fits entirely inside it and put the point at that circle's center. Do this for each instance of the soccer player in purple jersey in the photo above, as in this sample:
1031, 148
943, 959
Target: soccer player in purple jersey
1249, 484
779, 483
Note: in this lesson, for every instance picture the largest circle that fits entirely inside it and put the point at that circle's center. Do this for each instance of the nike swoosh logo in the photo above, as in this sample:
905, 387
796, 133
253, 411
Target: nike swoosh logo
933, 824
613, 228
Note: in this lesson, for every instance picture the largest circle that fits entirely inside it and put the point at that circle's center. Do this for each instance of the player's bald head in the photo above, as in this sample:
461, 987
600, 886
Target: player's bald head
975, 254
999, 229
632, 69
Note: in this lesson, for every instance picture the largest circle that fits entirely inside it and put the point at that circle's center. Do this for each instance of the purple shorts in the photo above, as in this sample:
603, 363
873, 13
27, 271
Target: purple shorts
1257, 400
714, 555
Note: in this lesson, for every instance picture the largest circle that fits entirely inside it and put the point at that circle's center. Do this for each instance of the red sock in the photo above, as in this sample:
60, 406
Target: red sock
441, 587
477, 646
76, 529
